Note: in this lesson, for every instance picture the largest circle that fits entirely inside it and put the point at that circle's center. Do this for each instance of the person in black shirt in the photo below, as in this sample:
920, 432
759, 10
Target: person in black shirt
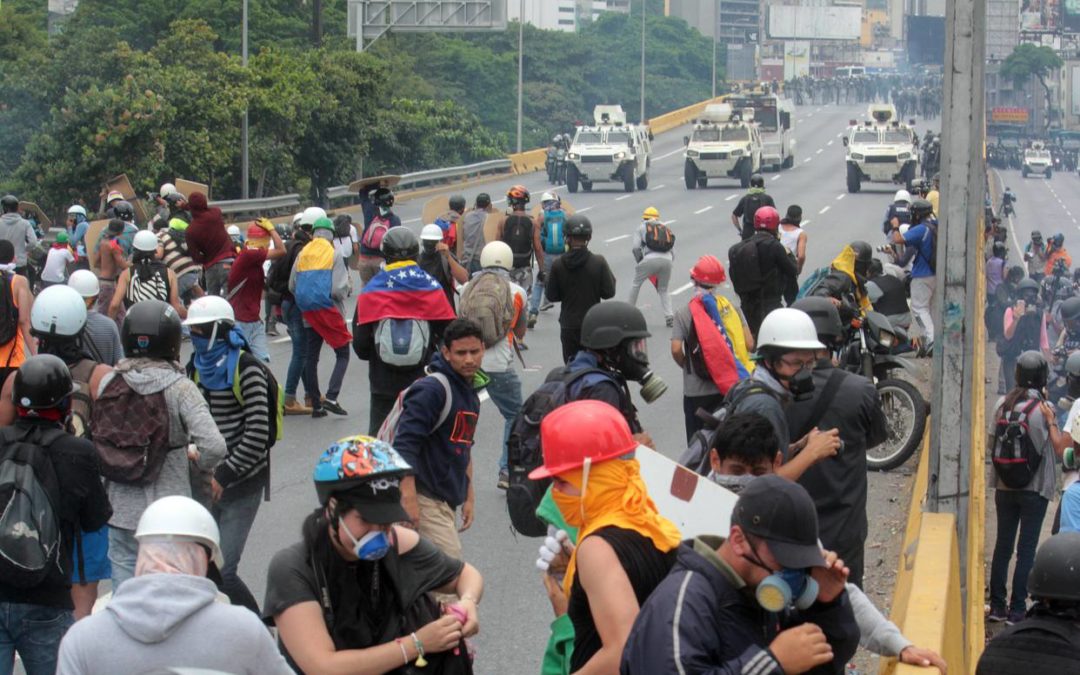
743, 215
437, 260
579, 280
764, 294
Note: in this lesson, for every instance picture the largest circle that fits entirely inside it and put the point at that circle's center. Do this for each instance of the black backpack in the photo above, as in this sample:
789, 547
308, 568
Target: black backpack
524, 452
30, 502
750, 207
658, 237
518, 234
277, 279
1015, 457
744, 266
696, 455
9, 312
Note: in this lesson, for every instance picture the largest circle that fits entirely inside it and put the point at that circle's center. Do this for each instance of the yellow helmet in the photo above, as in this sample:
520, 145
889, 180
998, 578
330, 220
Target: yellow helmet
651, 214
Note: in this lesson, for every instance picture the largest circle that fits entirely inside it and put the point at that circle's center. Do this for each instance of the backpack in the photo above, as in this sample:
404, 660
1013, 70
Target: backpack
130, 432
489, 301
277, 279
658, 237
374, 233
275, 394
1016, 459
750, 207
552, 232
9, 312
388, 430
30, 500
402, 343
343, 229
696, 455
812, 282
524, 452
78, 423
518, 233
744, 266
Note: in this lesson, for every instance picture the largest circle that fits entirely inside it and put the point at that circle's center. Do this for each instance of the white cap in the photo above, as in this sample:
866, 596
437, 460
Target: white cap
177, 518
208, 309
788, 328
296, 218
58, 310
497, 254
84, 282
144, 241
76, 209
431, 232
549, 197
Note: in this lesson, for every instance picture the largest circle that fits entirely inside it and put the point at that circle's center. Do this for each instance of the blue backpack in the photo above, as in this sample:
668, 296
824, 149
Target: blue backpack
552, 233
811, 283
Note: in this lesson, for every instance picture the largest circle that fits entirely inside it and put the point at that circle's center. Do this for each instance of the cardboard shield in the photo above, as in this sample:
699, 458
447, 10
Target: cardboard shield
33, 209
491, 225
93, 234
122, 185
693, 502
186, 187
374, 181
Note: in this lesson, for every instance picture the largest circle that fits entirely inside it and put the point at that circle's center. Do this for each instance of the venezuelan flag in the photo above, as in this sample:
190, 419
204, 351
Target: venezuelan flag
315, 275
403, 291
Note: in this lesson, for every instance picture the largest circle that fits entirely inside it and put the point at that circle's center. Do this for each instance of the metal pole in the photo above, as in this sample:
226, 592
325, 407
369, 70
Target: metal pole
716, 11
957, 310
642, 119
245, 168
521, 70
360, 26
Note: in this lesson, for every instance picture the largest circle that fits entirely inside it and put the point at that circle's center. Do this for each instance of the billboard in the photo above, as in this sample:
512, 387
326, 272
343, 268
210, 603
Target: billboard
926, 40
796, 22
1040, 16
1009, 115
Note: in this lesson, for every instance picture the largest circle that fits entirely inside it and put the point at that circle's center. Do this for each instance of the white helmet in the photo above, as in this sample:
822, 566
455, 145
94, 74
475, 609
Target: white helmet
85, 283
497, 254
431, 232
177, 518
233, 230
209, 309
167, 189
58, 311
548, 197
311, 214
788, 328
296, 218
76, 209
145, 241
902, 196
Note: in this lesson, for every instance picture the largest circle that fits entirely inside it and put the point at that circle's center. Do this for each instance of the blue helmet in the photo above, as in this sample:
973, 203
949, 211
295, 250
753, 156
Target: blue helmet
355, 461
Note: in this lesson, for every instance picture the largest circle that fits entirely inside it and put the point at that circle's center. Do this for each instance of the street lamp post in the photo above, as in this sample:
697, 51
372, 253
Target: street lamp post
643, 61
716, 12
244, 166
521, 69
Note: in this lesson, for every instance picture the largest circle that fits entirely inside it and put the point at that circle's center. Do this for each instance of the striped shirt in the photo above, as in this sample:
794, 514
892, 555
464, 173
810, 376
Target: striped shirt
103, 337
176, 255
154, 287
246, 428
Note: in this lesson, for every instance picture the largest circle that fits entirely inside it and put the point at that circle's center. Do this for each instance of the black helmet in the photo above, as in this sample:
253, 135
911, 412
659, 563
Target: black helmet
10, 203
1056, 572
383, 197
457, 203
757, 181
124, 211
174, 198
1070, 309
825, 316
876, 268
483, 200
864, 252
1036, 234
399, 243
920, 208
579, 226
1000, 249
1032, 370
43, 381
152, 328
1027, 284
609, 324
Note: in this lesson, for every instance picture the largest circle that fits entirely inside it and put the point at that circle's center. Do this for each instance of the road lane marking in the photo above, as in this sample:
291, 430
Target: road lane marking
621, 236
776, 177
619, 199
669, 222
807, 160
824, 210
805, 222
669, 154
839, 197
730, 197
830, 143
682, 289
819, 150
658, 187
701, 211
411, 220
281, 340
584, 209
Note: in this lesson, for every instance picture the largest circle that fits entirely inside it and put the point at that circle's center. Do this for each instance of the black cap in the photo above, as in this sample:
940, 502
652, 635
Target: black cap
793, 215
377, 501
783, 514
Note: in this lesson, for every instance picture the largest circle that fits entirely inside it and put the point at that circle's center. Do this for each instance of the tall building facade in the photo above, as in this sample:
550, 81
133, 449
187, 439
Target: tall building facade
564, 15
731, 21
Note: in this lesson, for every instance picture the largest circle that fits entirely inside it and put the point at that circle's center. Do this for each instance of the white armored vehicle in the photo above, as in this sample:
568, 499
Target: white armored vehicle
609, 151
881, 150
724, 144
1037, 160
774, 117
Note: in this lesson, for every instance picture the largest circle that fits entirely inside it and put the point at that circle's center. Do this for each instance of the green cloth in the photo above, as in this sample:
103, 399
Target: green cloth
561, 643
706, 546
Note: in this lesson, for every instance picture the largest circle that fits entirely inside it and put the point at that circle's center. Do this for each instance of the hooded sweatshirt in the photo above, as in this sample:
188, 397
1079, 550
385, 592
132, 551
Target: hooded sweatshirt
579, 279
189, 421
207, 241
169, 621
20, 233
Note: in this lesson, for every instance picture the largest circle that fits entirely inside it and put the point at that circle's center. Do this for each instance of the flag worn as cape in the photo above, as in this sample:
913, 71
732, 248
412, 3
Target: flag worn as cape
403, 291
719, 332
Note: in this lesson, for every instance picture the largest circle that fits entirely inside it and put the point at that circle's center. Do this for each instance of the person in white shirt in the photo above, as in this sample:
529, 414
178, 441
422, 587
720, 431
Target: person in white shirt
56, 264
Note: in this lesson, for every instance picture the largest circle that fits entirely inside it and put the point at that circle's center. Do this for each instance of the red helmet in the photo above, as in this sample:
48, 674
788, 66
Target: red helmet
579, 431
767, 218
708, 270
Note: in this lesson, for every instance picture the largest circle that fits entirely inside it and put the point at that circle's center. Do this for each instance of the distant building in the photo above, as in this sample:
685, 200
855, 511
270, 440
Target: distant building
738, 21
564, 15
59, 11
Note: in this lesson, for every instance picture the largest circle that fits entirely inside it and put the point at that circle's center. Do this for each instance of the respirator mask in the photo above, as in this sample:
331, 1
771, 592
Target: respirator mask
787, 588
634, 365
372, 546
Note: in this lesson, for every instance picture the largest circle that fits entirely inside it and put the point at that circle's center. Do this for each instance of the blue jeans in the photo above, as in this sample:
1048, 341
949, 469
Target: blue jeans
537, 294
505, 392
255, 333
123, 552
294, 324
235, 518
35, 632
1025, 510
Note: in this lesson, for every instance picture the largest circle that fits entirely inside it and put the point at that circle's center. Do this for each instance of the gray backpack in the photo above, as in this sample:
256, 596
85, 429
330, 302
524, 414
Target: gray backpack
489, 301
402, 342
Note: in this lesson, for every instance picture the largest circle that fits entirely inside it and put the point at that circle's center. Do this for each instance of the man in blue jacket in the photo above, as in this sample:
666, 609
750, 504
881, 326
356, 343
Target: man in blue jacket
434, 434
765, 600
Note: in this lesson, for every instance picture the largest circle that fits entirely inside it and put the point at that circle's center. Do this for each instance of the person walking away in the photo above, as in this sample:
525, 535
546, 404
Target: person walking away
383, 618
111, 262
579, 280
277, 281
242, 396
101, 337
17, 230
379, 218
437, 260
168, 614
1023, 329
50, 484
173, 240
654, 246
146, 279
711, 342
1035, 255
247, 280
755, 198
759, 264
923, 236
472, 232
551, 221
399, 319
60, 259
1026, 448
434, 432
319, 282
519, 231
209, 244
346, 243
497, 305
147, 402
793, 237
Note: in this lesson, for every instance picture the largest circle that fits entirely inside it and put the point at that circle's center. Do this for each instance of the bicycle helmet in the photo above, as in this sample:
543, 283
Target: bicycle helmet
757, 181
1032, 371
368, 463
43, 381
1056, 572
608, 324
579, 227
518, 194
399, 243
152, 328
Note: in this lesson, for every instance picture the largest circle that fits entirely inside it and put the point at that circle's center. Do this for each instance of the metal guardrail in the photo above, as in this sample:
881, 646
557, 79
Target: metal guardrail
425, 178
279, 202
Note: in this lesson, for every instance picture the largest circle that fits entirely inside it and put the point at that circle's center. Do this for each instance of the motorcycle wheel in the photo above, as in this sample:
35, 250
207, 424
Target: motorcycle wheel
905, 415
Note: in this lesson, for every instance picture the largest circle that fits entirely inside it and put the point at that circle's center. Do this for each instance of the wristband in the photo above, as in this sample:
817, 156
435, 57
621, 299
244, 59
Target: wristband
471, 598
404, 654
420, 660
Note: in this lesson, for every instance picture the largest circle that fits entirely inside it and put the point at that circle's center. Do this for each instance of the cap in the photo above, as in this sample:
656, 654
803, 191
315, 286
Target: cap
377, 501
783, 514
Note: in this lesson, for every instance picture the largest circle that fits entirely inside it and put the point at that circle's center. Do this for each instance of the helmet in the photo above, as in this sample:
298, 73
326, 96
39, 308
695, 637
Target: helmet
167, 189
825, 316
579, 226
177, 518
708, 271
323, 223
497, 254
124, 211
113, 196
311, 214
85, 283
1056, 572
356, 461
1032, 371
457, 203
549, 197
62, 238
1057, 240
580, 432
174, 198
766, 218
1027, 284
399, 243
483, 200
431, 232
650, 214
383, 197
1036, 235
864, 253
920, 208
757, 181
9, 203
518, 194
902, 196
208, 309
58, 311
297, 217
42, 381
145, 241
609, 324
788, 328
233, 230
76, 210
1070, 309
151, 328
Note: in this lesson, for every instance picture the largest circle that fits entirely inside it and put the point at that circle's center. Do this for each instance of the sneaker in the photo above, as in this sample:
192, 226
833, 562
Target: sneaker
546, 306
1015, 618
294, 407
997, 616
272, 331
504, 481
333, 407
318, 412
531, 323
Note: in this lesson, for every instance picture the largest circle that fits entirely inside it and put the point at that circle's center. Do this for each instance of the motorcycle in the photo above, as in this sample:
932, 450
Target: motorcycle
560, 166
1007, 209
870, 352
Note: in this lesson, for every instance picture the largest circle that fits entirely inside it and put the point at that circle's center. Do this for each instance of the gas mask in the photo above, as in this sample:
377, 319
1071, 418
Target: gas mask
732, 483
372, 546
787, 588
633, 363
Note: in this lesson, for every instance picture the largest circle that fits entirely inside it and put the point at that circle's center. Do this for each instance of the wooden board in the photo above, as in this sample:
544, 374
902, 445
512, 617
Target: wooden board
435, 207
93, 233
693, 502
43, 220
186, 187
567, 208
122, 185
379, 181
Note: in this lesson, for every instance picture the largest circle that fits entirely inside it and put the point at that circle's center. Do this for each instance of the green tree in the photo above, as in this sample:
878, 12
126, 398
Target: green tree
24, 53
1031, 61
413, 135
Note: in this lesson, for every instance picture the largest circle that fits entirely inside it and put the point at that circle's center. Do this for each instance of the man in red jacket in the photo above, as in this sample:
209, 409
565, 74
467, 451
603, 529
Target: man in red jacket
209, 245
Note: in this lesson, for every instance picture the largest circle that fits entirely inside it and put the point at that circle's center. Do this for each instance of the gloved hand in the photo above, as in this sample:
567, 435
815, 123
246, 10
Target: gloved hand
555, 544
265, 224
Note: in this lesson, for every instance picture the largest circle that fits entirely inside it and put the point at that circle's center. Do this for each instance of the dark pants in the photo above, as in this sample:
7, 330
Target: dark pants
311, 369
853, 555
690, 405
1023, 510
791, 290
571, 342
294, 324
1008, 372
381, 405
34, 631
235, 518
754, 310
